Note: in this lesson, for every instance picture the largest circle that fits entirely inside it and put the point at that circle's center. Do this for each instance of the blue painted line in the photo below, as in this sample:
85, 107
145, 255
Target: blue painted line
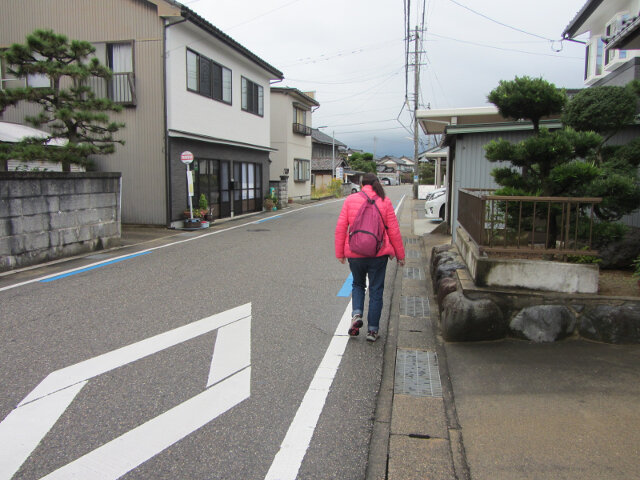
268, 218
345, 291
93, 267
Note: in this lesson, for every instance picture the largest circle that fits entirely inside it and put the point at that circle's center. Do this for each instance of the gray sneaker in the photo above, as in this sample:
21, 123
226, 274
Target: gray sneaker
372, 336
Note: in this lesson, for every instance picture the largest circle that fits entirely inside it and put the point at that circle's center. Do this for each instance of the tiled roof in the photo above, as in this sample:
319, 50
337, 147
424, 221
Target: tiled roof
321, 137
325, 163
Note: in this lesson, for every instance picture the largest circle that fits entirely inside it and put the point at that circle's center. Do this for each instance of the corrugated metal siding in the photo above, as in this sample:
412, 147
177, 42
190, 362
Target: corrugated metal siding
141, 160
473, 170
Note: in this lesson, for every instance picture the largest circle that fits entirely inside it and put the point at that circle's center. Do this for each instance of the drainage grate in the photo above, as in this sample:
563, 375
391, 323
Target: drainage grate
410, 241
414, 306
417, 374
413, 253
413, 273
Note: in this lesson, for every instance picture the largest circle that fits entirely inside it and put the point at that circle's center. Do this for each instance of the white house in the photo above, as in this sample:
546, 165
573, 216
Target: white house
611, 50
291, 112
185, 86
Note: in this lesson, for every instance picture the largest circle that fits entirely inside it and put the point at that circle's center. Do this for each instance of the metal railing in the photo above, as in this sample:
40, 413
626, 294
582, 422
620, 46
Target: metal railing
120, 88
302, 129
534, 226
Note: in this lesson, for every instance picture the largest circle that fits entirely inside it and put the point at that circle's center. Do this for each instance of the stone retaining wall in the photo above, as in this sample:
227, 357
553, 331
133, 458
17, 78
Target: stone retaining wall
471, 313
48, 215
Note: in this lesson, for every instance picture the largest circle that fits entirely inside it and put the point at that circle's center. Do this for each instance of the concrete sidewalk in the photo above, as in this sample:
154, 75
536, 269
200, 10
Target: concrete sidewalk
496, 410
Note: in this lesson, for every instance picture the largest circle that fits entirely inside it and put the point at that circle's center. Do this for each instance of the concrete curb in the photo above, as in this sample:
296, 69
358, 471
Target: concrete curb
415, 435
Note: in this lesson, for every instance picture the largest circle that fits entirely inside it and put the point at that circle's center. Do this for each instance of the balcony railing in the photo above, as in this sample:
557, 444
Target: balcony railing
534, 226
301, 129
120, 88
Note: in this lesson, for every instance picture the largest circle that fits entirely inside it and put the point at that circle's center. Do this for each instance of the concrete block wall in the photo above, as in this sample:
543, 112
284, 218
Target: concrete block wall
49, 215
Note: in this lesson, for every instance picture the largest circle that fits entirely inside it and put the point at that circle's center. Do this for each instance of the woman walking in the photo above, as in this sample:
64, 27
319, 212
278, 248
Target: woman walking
372, 266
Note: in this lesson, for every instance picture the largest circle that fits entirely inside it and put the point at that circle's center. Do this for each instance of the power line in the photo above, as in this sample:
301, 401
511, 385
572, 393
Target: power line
499, 22
501, 48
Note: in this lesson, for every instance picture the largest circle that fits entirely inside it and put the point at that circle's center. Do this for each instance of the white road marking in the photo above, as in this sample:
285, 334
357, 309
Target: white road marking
232, 351
116, 358
288, 460
31, 420
23, 428
123, 454
294, 447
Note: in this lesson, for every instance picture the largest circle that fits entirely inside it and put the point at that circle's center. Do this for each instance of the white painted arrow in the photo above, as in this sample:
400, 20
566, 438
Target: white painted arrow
229, 383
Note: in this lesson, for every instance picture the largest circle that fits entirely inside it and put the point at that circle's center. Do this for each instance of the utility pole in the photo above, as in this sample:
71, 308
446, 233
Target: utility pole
416, 80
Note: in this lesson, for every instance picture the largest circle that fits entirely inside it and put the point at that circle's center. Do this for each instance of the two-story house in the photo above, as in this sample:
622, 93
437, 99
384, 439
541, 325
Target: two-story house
611, 51
291, 112
185, 86
327, 159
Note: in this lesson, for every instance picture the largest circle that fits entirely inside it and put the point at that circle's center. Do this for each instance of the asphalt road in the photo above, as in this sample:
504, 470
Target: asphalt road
138, 412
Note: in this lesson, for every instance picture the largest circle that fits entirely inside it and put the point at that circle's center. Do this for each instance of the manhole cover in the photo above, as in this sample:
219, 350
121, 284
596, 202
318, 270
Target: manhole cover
258, 230
417, 373
414, 306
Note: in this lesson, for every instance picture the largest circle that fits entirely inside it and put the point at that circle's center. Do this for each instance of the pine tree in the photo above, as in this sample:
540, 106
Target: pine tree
69, 107
569, 162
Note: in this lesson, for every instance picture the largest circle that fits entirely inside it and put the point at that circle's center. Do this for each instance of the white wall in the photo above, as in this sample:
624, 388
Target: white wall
191, 112
290, 145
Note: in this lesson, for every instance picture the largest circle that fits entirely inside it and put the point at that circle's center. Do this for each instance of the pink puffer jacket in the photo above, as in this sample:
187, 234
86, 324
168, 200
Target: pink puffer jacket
392, 243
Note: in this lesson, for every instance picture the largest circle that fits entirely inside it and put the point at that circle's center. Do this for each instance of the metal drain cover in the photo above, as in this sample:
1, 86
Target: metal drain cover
414, 306
417, 373
413, 273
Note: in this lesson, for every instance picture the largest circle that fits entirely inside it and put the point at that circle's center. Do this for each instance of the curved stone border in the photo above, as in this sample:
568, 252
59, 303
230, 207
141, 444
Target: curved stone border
483, 314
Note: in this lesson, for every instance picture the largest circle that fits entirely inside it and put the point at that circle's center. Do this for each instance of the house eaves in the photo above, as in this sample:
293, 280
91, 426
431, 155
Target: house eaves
593, 16
197, 20
452, 130
435, 121
219, 141
299, 97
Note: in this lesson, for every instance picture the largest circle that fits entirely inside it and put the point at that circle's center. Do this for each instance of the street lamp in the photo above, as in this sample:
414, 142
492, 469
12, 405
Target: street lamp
333, 151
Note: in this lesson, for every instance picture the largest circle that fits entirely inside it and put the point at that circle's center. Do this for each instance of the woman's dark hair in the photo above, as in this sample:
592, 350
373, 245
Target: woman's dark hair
372, 179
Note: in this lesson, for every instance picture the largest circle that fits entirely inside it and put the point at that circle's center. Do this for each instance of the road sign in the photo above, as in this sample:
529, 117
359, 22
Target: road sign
186, 157
228, 384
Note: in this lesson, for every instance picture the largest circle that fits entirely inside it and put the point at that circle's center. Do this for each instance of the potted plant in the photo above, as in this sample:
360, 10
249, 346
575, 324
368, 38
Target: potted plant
268, 203
204, 209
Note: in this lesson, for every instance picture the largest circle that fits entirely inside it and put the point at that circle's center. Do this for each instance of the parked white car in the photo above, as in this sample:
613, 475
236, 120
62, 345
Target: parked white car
388, 180
355, 188
435, 204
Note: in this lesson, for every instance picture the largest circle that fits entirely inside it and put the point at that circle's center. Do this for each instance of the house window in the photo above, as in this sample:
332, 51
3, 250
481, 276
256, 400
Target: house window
595, 58
300, 121
208, 78
301, 170
120, 88
252, 97
7, 79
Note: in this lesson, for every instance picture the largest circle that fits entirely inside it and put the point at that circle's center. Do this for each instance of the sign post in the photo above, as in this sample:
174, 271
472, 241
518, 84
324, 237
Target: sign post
186, 157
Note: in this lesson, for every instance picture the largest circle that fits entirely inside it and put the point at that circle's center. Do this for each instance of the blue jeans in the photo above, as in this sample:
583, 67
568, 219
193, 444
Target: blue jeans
375, 268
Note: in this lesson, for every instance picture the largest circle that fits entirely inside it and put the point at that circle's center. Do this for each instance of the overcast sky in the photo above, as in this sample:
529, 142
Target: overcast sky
352, 54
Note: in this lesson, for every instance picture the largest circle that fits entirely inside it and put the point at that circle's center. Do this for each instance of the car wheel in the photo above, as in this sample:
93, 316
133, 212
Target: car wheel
442, 211
354, 190
386, 181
